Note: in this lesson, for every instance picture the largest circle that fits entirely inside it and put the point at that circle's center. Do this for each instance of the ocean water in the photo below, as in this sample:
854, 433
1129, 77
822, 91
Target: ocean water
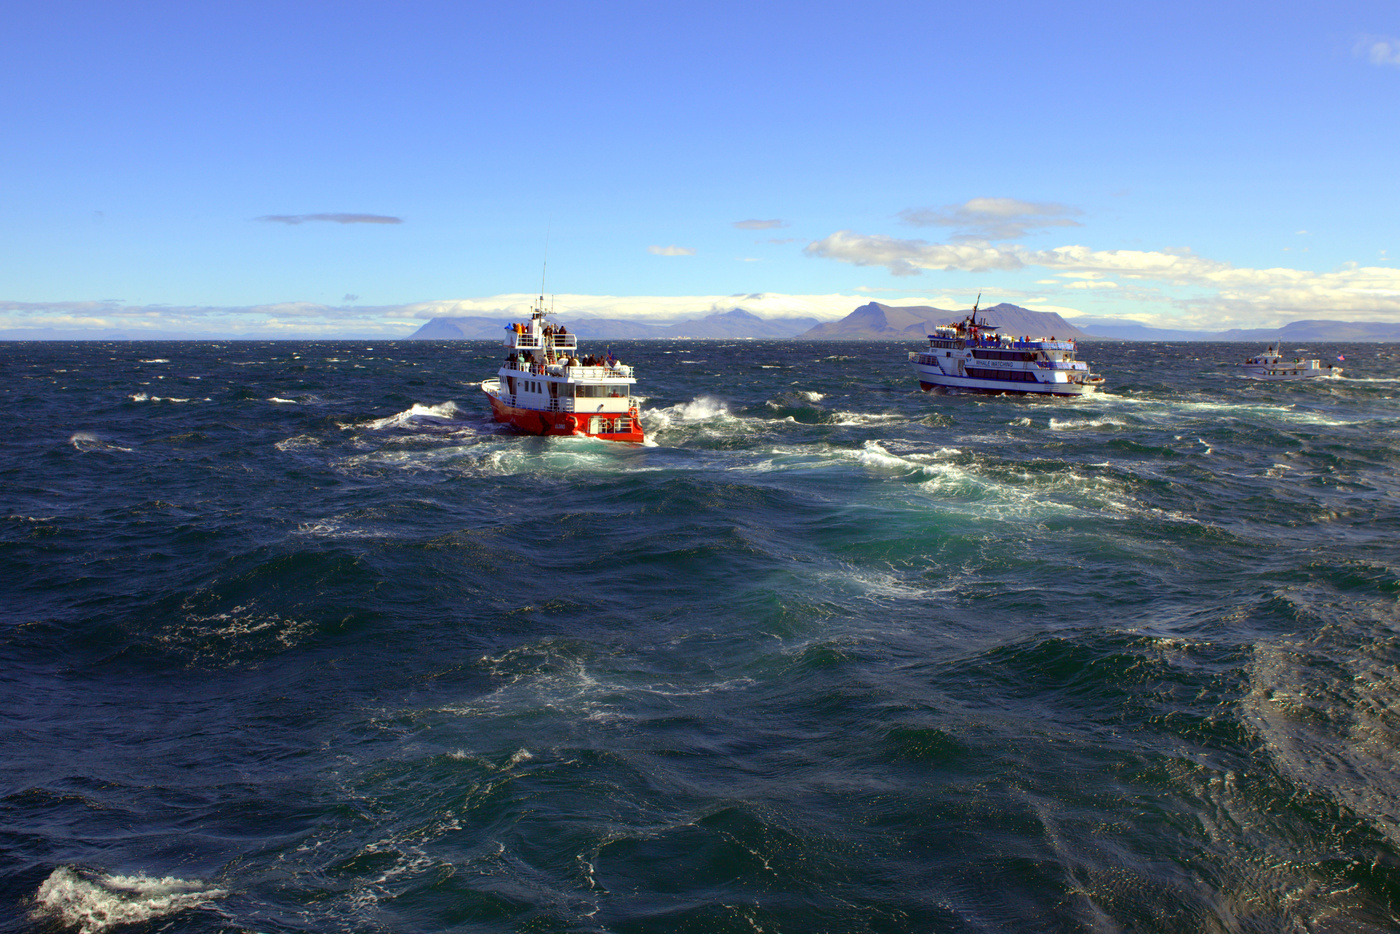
294, 638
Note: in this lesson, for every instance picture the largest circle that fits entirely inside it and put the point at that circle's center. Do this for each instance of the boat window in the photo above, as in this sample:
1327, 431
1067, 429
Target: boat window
586, 391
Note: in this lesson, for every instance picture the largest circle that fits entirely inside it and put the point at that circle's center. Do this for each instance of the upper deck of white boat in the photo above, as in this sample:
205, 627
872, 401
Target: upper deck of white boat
1271, 365
543, 372
541, 348
952, 338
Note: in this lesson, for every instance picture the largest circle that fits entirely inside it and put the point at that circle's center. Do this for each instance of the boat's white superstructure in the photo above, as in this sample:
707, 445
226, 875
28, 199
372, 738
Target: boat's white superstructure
1271, 365
970, 354
544, 388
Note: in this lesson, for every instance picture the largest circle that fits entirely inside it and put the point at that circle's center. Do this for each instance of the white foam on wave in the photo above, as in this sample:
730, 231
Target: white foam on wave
87, 441
862, 418
877, 584
547, 676
700, 409
1216, 411
697, 410
281, 401
95, 902
937, 473
812, 396
999, 491
442, 412
472, 453
337, 529
872, 456
1076, 424
144, 397
219, 635
156, 360
873, 453
299, 443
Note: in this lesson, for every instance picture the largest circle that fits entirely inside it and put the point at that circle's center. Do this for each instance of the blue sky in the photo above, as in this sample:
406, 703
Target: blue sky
352, 168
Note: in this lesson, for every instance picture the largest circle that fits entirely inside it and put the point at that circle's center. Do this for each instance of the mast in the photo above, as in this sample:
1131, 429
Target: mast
544, 268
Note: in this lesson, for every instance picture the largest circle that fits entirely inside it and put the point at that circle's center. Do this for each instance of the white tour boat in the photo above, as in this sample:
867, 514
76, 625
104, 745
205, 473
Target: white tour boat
544, 388
1271, 365
970, 354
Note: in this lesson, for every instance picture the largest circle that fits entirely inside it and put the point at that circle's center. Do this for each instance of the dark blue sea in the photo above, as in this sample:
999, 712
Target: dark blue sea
294, 638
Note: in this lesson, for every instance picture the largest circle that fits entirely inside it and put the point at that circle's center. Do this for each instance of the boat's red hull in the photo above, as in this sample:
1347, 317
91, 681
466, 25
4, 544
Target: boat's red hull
534, 422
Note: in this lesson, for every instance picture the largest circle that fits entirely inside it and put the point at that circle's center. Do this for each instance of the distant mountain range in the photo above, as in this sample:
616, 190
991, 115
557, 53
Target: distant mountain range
726, 325
1316, 331
877, 322
1116, 329
873, 321
1319, 331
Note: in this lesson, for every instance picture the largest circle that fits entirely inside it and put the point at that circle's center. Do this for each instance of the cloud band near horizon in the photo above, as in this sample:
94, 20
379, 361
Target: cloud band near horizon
1269, 293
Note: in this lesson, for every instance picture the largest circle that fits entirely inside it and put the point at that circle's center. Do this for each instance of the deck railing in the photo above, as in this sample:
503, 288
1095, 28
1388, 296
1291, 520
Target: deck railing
577, 372
556, 341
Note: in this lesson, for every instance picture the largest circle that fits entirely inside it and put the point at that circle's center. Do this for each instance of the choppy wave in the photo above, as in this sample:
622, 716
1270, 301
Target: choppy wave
146, 397
89, 441
1323, 709
364, 659
418, 414
94, 902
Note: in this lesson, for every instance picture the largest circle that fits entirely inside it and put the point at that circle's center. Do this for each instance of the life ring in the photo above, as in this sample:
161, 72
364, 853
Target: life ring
570, 423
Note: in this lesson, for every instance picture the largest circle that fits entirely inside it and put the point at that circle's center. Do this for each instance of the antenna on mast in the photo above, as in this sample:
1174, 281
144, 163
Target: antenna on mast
544, 267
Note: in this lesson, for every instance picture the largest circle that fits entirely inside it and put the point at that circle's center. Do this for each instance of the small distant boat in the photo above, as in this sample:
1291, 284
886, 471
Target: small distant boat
970, 354
1271, 365
544, 388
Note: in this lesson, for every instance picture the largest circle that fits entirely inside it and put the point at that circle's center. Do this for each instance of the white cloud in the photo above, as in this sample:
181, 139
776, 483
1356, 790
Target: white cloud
648, 307
311, 320
910, 257
1275, 294
759, 225
1090, 284
297, 319
1379, 50
994, 218
331, 218
670, 251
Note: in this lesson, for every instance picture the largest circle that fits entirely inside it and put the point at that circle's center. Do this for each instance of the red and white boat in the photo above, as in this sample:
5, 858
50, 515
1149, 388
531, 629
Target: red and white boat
545, 388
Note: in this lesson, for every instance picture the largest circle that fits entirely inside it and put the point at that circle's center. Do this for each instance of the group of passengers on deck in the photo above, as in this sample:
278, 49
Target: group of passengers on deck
528, 360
